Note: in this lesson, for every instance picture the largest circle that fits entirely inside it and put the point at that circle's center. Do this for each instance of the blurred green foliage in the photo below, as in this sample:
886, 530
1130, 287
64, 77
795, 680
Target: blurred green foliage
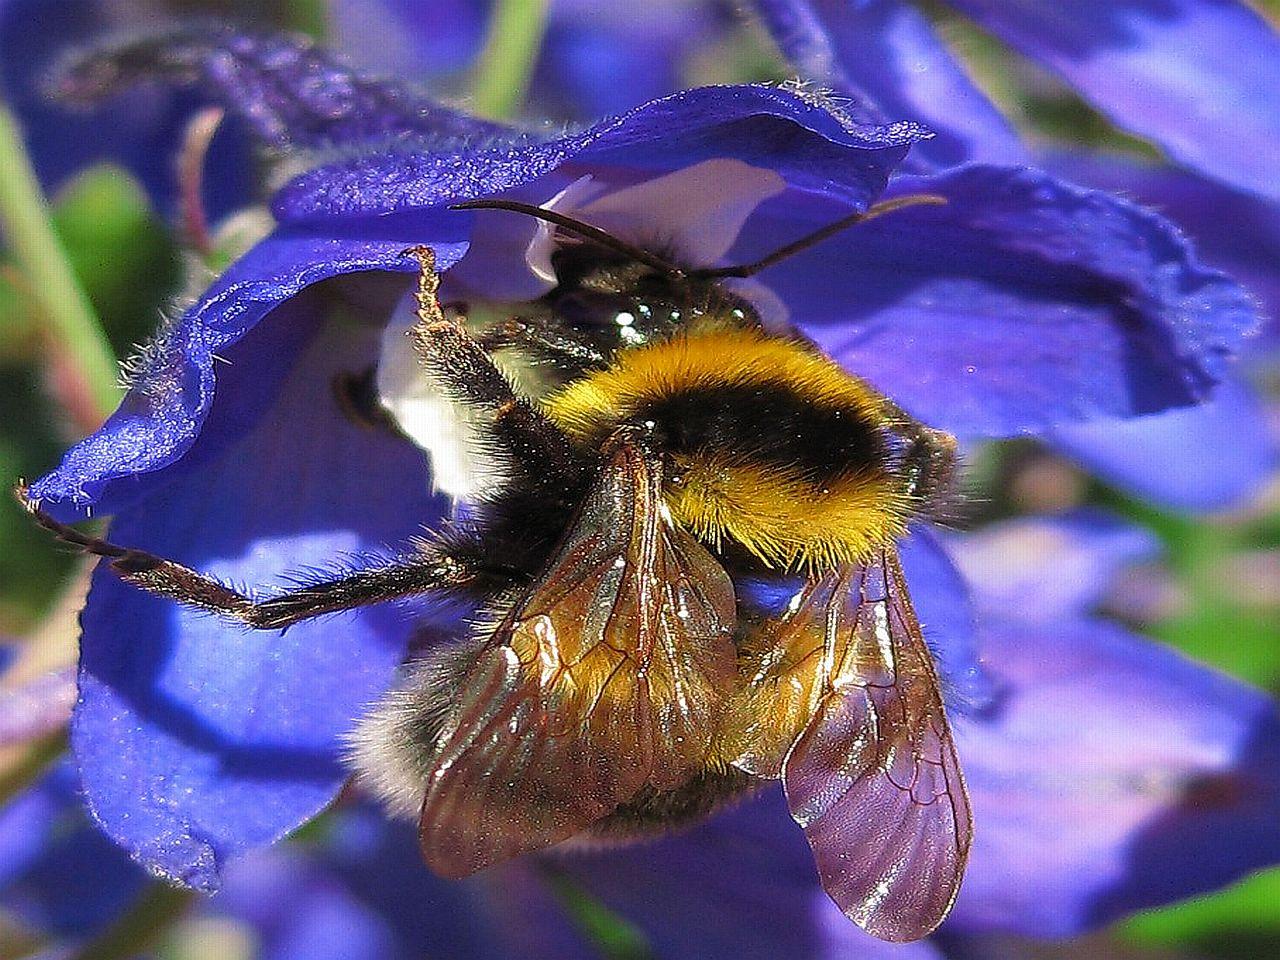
126, 260
1241, 923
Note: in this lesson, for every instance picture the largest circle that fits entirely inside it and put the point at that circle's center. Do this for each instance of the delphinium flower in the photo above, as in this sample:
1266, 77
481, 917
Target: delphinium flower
1232, 438
198, 741
357, 892
60, 878
593, 61
1191, 77
887, 61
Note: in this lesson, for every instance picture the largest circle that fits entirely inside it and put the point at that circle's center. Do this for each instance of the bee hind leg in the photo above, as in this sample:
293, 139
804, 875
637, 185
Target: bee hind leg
425, 569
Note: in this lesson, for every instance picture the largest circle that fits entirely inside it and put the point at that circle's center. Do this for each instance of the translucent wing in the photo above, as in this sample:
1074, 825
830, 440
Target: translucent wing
845, 707
608, 676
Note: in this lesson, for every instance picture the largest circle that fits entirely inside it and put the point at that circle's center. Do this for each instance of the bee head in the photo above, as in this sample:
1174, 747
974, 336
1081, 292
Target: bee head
631, 303
612, 294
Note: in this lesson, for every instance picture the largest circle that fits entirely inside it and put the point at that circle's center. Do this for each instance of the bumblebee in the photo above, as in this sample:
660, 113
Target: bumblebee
626, 680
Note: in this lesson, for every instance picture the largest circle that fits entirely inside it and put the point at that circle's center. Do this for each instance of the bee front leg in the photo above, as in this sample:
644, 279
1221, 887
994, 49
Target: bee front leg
467, 372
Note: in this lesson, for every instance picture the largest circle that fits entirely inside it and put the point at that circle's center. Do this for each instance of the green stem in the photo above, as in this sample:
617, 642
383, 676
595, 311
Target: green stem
24, 219
506, 63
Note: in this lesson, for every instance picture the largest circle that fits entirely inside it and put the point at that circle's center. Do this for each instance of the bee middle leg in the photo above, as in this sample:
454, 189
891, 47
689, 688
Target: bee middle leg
465, 369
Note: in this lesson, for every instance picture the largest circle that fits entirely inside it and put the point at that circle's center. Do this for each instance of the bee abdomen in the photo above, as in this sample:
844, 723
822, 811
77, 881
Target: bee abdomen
655, 812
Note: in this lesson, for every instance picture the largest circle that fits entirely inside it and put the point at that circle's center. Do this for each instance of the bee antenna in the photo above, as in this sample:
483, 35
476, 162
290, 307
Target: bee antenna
584, 230
830, 230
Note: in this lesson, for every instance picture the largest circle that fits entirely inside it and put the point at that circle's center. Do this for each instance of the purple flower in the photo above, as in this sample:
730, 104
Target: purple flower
79, 103
1113, 773
140, 130
58, 874
360, 892
1228, 447
1021, 303
1192, 76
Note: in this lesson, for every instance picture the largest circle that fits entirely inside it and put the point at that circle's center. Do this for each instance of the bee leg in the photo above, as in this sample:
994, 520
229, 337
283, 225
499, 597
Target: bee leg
407, 575
928, 463
461, 365
539, 337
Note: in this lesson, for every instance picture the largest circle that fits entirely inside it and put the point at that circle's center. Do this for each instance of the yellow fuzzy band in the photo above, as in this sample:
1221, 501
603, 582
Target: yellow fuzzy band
784, 519
717, 358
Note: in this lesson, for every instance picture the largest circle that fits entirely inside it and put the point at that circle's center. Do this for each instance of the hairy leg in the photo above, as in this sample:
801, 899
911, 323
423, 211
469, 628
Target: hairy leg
411, 574
469, 375
544, 339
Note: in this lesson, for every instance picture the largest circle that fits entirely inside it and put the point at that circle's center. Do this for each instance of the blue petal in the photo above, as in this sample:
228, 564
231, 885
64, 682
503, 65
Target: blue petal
298, 911
58, 873
800, 138
1234, 232
393, 38
197, 739
604, 58
140, 130
1113, 775
1047, 569
378, 862
24, 821
1197, 77
885, 54
1209, 457
1022, 303
942, 603
595, 58
162, 415
530, 917
742, 887
290, 92
1217, 455
508, 911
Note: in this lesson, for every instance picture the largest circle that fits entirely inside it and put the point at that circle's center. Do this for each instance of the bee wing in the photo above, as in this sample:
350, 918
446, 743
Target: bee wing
608, 676
858, 734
